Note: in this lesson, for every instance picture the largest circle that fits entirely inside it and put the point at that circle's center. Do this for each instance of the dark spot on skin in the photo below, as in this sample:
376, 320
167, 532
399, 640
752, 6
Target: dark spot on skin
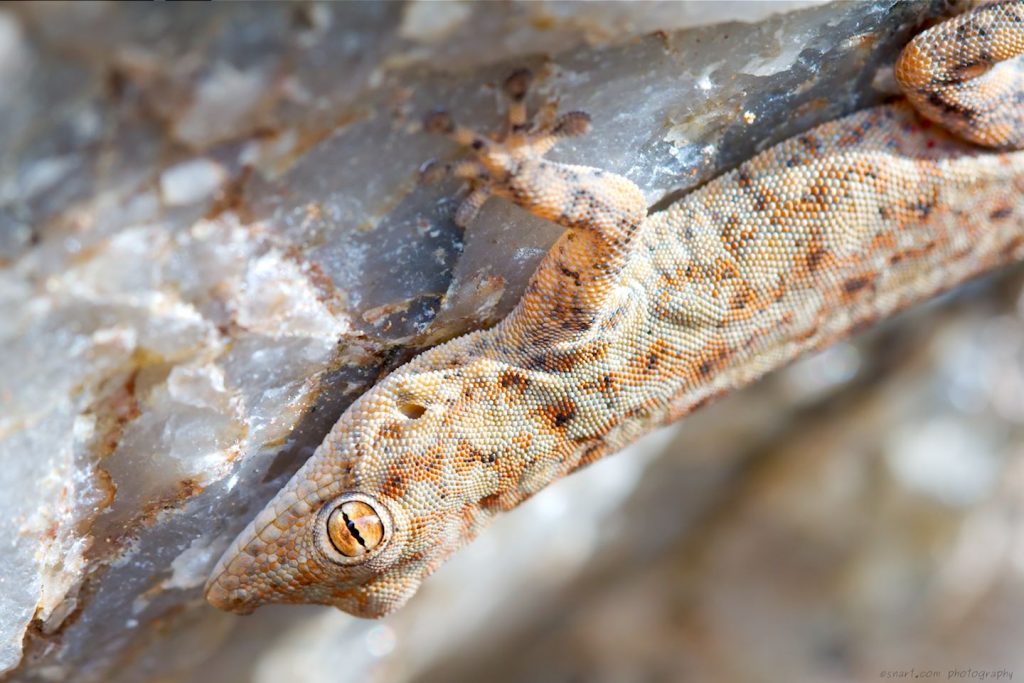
571, 274
542, 336
575, 324
552, 361
470, 456
815, 258
741, 299
491, 502
811, 144
936, 100
912, 253
966, 70
925, 207
856, 284
581, 314
511, 379
1001, 213
394, 485
732, 224
854, 136
714, 360
658, 351
391, 430
561, 413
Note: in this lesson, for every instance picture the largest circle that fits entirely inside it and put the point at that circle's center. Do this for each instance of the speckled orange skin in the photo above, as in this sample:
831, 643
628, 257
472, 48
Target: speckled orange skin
632, 321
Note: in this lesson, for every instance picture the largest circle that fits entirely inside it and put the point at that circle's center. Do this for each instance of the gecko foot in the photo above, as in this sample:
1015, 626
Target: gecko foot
492, 161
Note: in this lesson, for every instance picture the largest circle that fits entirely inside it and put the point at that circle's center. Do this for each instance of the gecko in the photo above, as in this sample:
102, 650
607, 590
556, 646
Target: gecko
633, 320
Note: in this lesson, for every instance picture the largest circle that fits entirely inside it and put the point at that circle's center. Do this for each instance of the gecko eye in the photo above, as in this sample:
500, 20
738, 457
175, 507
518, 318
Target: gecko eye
355, 527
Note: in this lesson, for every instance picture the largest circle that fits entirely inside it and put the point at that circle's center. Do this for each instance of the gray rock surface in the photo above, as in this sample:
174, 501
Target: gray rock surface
212, 241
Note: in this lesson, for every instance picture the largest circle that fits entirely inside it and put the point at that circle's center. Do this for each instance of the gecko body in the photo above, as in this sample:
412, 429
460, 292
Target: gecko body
634, 320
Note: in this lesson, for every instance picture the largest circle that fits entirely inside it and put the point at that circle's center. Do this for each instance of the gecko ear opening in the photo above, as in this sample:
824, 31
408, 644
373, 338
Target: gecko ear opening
353, 528
413, 410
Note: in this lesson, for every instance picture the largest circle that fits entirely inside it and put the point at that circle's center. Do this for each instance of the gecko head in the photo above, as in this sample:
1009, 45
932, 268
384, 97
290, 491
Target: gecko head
335, 551
408, 475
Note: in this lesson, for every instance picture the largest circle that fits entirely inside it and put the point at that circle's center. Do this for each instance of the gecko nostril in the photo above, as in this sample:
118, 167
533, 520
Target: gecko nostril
413, 411
355, 528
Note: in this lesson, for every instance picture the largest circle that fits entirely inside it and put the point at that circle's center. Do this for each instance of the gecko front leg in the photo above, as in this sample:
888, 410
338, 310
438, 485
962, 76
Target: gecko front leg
576, 282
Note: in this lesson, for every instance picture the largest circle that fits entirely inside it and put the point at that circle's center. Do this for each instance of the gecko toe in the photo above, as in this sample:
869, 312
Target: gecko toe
517, 84
439, 122
572, 124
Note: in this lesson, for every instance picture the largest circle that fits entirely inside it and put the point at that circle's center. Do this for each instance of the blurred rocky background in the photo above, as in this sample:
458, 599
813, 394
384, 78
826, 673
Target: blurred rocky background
212, 241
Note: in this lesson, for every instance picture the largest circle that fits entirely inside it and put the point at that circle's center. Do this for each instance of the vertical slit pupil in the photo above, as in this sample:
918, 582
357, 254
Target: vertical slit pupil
352, 529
